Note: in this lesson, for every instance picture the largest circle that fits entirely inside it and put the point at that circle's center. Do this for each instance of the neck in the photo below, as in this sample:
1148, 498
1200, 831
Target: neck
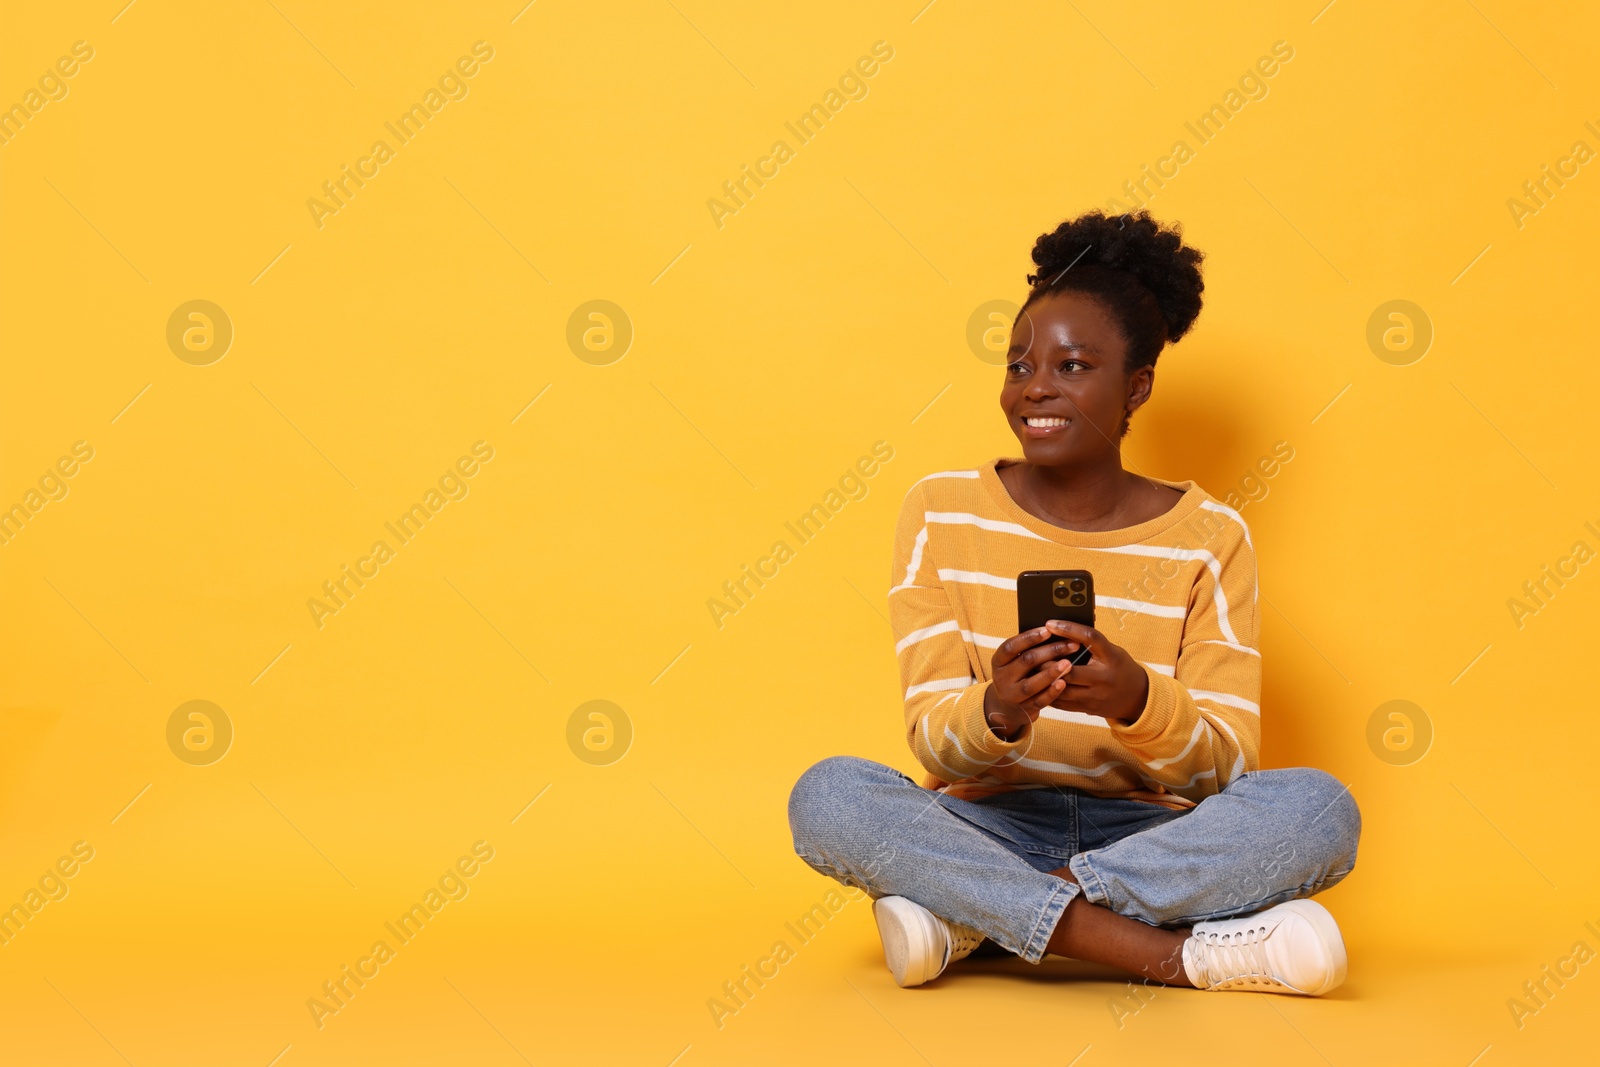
1084, 496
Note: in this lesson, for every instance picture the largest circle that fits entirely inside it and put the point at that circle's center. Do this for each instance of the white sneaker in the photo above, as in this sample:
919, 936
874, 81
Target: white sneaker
1293, 947
917, 944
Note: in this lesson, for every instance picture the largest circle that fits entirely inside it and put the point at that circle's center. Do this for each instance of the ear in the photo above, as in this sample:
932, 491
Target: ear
1140, 384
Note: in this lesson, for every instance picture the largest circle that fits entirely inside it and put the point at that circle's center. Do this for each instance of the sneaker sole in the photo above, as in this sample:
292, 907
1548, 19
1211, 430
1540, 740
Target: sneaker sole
1321, 920
907, 940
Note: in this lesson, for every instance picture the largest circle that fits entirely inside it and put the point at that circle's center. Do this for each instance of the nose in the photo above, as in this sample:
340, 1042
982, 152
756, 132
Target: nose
1039, 385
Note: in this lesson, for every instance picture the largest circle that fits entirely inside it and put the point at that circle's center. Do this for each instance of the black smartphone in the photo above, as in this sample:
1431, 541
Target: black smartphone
1046, 595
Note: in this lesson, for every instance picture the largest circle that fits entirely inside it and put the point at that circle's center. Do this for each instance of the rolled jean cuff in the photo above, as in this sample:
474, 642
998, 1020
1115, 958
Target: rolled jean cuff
1094, 890
1055, 903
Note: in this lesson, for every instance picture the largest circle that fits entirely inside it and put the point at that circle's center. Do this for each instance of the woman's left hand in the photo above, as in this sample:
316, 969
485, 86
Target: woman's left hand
1112, 685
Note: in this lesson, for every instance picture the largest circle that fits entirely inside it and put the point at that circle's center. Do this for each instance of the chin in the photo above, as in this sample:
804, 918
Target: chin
1043, 455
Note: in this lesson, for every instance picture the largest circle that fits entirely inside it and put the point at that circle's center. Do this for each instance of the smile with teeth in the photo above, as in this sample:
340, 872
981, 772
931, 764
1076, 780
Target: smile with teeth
1043, 423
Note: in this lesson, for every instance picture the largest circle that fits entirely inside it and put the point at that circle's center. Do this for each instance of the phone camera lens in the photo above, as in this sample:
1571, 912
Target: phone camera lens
1078, 599
1077, 585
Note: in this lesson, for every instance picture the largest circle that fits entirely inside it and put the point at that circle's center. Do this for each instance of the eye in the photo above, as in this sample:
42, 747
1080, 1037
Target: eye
1073, 363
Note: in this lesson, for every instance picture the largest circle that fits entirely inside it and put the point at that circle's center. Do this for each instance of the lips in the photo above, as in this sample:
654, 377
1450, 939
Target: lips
1044, 425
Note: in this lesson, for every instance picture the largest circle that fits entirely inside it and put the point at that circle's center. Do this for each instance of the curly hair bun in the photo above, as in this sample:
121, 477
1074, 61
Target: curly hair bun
1098, 254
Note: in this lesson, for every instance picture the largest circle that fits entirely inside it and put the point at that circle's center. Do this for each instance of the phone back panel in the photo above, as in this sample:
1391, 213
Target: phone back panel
1046, 595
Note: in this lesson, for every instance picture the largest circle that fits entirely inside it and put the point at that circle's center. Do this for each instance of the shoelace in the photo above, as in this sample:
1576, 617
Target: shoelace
963, 937
1241, 956
958, 938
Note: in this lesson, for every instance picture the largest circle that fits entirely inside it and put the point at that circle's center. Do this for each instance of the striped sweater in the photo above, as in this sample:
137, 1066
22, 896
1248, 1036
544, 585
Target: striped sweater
1177, 592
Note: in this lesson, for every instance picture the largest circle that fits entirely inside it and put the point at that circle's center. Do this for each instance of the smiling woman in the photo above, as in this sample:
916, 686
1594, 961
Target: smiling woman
1140, 289
1112, 810
1109, 294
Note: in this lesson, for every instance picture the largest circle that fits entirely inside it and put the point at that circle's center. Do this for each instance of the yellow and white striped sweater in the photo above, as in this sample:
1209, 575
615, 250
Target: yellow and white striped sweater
1177, 592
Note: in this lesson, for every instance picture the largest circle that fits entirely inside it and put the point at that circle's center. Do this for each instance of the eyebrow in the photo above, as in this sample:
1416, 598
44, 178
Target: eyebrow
1071, 346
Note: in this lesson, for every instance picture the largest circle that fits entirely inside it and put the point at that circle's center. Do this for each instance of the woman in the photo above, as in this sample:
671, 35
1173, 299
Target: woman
1112, 811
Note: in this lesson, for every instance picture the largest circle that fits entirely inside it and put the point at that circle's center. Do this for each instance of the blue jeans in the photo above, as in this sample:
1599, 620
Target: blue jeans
1270, 836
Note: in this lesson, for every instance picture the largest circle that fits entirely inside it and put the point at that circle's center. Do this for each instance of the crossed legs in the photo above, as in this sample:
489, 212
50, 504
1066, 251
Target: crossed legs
1269, 837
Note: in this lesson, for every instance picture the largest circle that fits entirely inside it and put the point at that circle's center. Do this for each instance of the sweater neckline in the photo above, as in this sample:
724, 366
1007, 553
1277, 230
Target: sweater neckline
1192, 497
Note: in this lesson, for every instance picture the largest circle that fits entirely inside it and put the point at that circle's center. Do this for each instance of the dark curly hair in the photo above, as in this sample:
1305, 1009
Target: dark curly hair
1143, 273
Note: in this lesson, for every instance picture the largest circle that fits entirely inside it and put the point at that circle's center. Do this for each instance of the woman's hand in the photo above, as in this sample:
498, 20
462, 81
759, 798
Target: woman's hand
1111, 685
1027, 675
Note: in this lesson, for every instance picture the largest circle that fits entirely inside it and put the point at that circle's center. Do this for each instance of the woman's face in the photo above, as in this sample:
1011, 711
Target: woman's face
1065, 372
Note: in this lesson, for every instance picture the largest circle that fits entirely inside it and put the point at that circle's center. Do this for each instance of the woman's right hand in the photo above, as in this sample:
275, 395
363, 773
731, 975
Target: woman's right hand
1027, 674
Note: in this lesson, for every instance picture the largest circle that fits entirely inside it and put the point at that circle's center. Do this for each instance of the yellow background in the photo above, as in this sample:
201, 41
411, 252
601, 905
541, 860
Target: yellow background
769, 354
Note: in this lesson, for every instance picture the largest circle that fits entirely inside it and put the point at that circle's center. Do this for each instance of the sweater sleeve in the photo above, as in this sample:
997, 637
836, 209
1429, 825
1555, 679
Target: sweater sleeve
1201, 726
944, 690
